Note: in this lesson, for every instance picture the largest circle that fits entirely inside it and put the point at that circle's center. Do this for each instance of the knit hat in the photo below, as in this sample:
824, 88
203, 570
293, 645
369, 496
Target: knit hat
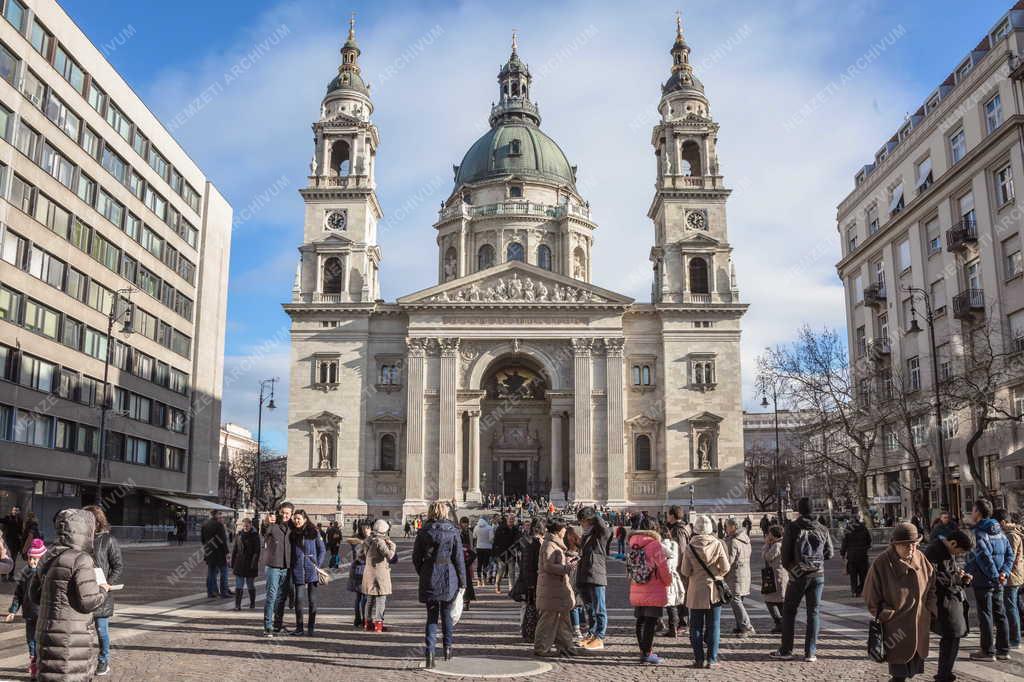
703, 525
38, 549
904, 532
381, 526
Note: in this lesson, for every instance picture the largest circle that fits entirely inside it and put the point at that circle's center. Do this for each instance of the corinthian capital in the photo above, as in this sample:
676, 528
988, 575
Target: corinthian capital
613, 346
449, 346
582, 346
417, 346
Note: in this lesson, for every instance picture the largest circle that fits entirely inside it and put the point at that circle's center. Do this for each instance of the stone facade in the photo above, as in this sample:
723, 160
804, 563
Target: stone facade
515, 372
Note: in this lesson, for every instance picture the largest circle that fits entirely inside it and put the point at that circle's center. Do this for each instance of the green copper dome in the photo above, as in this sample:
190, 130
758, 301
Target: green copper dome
495, 154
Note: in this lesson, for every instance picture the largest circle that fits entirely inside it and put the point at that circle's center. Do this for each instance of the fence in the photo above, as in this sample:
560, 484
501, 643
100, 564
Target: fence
148, 533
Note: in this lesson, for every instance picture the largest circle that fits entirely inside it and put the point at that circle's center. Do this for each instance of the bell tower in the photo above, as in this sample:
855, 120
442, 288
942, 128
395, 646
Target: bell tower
691, 254
340, 259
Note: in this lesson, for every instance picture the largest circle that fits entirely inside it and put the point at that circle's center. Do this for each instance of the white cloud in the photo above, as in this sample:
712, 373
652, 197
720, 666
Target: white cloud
598, 97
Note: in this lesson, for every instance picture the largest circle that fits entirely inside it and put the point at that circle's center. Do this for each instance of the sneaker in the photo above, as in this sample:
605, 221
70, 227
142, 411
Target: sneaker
810, 659
33, 668
780, 655
102, 668
981, 656
593, 644
269, 634
1003, 657
1016, 646
711, 664
651, 659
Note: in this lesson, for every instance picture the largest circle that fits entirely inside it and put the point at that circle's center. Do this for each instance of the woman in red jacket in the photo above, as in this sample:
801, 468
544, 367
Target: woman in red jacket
649, 578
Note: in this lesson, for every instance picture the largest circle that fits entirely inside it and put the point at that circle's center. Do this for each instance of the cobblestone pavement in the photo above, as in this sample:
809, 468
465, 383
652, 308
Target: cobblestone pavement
165, 629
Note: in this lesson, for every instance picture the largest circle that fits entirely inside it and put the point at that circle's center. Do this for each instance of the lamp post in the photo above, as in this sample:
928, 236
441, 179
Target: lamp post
767, 386
929, 318
691, 503
264, 396
124, 314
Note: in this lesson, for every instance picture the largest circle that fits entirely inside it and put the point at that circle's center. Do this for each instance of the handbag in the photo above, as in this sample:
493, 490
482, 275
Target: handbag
457, 605
768, 584
876, 641
719, 584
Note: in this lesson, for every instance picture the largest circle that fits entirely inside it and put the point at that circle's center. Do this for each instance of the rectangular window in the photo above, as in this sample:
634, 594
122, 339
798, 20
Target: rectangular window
993, 114
851, 239
67, 67
175, 459
136, 450
191, 197
87, 441
966, 205
904, 255
115, 164
6, 421
170, 257
41, 319
156, 203
133, 226
63, 117
65, 436
38, 374
110, 208
140, 144
914, 373
71, 333
95, 344
183, 305
46, 267
136, 185
144, 323
33, 429
52, 215
6, 122
167, 295
161, 374
1012, 257
80, 233
934, 236
58, 165
143, 366
41, 39
178, 381
158, 163
950, 425
957, 145
86, 189
176, 181
97, 98
896, 199
14, 249
100, 298
938, 294
8, 65
176, 421
14, 12
152, 242
129, 268
8, 363
149, 282
10, 306
21, 194
1004, 185
181, 343
76, 285
119, 122
924, 174
858, 289
105, 252
187, 270
87, 390
26, 141
90, 142
34, 89
163, 333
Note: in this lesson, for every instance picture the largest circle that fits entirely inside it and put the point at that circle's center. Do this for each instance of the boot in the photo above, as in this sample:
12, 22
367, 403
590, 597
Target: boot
369, 626
252, 597
448, 655
378, 626
430, 659
238, 600
358, 622
312, 624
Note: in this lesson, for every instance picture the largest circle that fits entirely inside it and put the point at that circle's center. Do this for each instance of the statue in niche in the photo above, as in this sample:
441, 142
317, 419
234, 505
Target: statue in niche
325, 451
666, 162
449, 266
704, 451
579, 267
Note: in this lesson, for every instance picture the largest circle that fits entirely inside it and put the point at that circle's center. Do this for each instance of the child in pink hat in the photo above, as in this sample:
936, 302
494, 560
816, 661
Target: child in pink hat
29, 610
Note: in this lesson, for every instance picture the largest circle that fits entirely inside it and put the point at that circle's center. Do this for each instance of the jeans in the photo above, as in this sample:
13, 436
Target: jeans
213, 571
439, 610
360, 607
622, 545
305, 596
992, 615
857, 567
276, 580
242, 582
948, 649
375, 607
704, 632
576, 617
645, 627
739, 612
103, 635
809, 587
30, 637
775, 611
1012, 613
597, 611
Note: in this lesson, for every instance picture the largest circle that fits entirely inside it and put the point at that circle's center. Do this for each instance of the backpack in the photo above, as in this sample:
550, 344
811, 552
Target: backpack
810, 551
637, 567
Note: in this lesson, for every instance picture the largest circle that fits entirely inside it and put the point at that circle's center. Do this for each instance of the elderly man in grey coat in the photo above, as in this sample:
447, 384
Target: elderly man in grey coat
737, 547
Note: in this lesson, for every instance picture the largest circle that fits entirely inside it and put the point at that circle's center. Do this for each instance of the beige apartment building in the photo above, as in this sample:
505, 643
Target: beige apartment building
101, 208
936, 210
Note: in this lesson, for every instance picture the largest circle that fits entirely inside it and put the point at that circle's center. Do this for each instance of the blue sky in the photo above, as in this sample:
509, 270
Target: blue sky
598, 67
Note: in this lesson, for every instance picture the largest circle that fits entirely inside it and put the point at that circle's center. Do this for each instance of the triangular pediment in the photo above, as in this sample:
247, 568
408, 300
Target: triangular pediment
331, 239
695, 237
705, 418
324, 417
515, 283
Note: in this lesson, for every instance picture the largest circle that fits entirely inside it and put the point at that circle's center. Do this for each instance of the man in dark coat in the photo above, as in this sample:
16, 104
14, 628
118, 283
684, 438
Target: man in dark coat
214, 537
854, 549
765, 525
245, 563
277, 557
438, 558
944, 525
334, 539
505, 537
592, 575
107, 555
951, 625
181, 529
11, 526
678, 531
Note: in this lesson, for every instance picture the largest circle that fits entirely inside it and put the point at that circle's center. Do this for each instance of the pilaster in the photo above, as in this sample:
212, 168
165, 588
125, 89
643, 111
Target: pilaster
583, 478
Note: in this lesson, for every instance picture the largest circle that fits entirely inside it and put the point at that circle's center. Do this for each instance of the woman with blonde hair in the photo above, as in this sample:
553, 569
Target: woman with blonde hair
704, 564
439, 561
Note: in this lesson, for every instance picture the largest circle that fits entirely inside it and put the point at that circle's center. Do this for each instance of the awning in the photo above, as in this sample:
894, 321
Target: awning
923, 171
191, 502
897, 196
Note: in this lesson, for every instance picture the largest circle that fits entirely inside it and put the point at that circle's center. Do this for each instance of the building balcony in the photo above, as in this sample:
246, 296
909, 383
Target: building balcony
968, 303
515, 207
342, 181
874, 294
963, 233
672, 181
879, 347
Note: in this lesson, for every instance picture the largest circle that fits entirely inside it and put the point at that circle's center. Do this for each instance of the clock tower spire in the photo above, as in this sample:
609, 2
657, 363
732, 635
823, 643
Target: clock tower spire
340, 259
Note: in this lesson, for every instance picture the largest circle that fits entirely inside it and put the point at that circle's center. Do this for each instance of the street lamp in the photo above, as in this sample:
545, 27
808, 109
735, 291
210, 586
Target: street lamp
691, 503
929, 318
264, 395
122, 313
767, 385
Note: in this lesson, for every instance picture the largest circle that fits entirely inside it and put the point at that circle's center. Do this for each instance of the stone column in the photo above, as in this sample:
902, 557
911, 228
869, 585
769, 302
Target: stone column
557, 494
614, 418
583, 482
473, 494
448, 484
415, 360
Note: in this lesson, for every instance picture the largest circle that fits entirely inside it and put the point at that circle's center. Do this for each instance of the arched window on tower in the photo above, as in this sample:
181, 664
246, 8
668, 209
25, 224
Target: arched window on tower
691, 159
341, 158
485, 257
388, 458
450, 265
515, 252
544, 257
642, 453
699, 276
515, 147
333, 276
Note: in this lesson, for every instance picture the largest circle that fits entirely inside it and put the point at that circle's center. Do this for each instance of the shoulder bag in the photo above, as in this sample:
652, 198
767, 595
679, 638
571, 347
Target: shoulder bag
876, 641
719, 584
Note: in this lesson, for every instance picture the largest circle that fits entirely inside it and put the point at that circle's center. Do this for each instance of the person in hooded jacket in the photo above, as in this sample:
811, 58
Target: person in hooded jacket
483, 537
469, 556
245, 563
528, 577
771, 552
379, 550
308, 555
29, 610
555, 594
705, 560
1015, 578
989, 565
438, 559
356, 569
854, 549
648, 593
737, 547
64, 587
681, 533
107, 555
676, 593
950, 625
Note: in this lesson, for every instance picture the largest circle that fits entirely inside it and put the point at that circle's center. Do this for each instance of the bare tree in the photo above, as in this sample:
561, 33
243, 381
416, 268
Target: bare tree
814, 376
909, 411
238, 480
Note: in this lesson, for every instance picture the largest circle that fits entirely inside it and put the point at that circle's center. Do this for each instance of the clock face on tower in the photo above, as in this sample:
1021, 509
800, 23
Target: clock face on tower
336, 220
696, 220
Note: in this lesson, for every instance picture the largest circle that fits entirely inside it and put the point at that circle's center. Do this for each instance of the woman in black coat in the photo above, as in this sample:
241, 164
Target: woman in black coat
438, 559
107, 555
245, 563
952, 624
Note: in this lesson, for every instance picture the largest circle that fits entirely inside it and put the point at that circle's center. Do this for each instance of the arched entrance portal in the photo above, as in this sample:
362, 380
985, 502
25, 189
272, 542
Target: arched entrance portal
515, 441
